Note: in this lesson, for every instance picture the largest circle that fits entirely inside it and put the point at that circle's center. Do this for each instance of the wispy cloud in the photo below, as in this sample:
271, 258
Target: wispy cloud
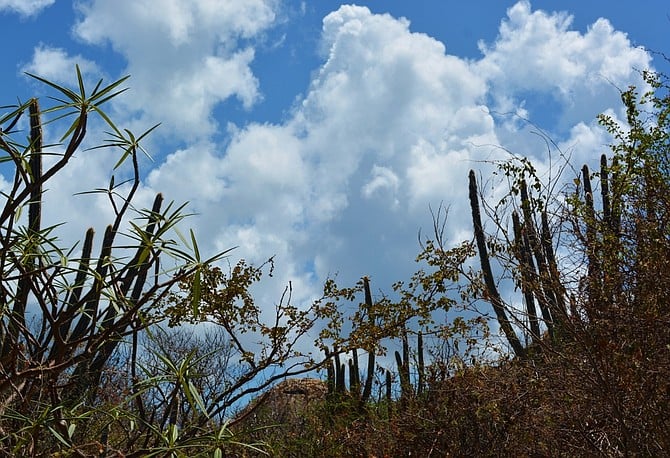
25, 7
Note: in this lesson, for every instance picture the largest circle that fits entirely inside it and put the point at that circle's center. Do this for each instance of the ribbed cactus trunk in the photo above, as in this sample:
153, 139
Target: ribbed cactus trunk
593, 281
369, 377
527, 272
544, 290
491, 289
421, 378
388, 383
354, 375
34, 184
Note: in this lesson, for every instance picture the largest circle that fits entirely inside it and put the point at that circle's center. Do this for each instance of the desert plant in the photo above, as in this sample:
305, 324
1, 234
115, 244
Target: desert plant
88, 307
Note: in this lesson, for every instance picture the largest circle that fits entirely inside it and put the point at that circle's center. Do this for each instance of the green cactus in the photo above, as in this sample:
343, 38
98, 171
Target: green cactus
404, 363
354, 375
335, 369
594, 271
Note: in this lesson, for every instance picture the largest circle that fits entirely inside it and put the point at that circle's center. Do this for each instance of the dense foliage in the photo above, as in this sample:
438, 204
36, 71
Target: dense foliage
98, 356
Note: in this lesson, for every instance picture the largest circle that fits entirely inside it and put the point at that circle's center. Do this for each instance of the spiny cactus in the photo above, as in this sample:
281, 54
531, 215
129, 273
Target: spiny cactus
336, 370
421, 379
403, 374
527, 270
492, 290
367, 389
389, 385
404, 363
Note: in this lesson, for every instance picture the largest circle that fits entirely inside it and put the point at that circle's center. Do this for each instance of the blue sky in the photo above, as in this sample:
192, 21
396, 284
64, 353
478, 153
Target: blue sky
322, 132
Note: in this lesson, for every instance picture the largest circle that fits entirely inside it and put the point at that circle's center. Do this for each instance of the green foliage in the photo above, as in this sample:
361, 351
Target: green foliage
64, 317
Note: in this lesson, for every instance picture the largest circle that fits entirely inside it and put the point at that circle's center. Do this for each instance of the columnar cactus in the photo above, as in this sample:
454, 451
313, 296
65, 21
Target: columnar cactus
492, 290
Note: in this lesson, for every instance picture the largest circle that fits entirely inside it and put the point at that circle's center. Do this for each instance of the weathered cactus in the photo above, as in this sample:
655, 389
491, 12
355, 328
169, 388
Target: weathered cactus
594, 271
527, 271
367, 389
354, 375
421, 378
491, 289
605, 191
389, 384
335, 369
404, 364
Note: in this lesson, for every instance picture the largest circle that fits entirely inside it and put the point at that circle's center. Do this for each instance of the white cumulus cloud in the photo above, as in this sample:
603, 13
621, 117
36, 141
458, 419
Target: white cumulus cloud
55, 64
538, 52
184, 57
389, 112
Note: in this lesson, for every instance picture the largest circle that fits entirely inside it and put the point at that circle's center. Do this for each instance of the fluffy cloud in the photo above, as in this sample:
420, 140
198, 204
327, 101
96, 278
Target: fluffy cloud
382, 180
382, 98
56, 65
536, 52
185, 57
391, 124
25, 7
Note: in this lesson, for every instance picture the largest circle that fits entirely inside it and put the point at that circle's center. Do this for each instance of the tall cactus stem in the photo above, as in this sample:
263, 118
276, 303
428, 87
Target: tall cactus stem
422, 368
354, 374
35, 207
389, 384
605, 191
367, 388
492, 290
527, 268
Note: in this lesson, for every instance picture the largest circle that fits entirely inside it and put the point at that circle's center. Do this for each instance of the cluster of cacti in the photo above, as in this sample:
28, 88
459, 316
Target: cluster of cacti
536, 266
336, 369
489, 280
404, 365
597, 235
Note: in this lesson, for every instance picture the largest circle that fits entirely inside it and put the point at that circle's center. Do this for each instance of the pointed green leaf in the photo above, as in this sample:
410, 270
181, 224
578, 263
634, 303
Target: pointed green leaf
70, 94
80, 80
195, 246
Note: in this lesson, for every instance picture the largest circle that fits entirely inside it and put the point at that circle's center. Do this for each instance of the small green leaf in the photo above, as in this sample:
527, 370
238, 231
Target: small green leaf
80, 80
173, 434
58, 436
68, 93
